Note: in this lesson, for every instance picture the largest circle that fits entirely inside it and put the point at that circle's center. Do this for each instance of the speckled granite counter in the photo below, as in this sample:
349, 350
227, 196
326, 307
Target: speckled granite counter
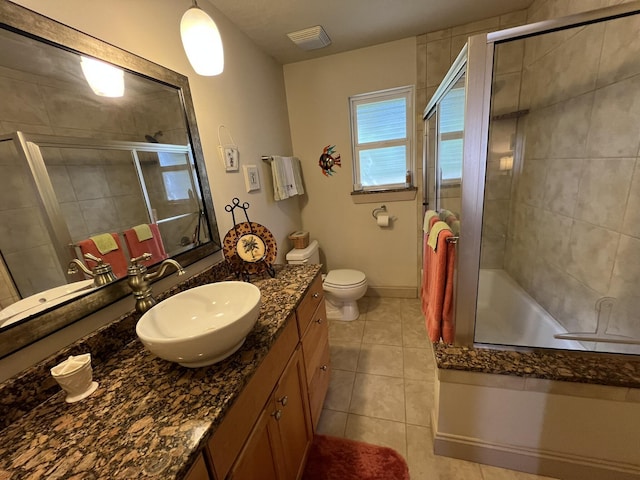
149, 417
618, 371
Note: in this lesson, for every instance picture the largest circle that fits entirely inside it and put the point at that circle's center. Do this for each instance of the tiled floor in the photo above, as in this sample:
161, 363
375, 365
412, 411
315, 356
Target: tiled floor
381, 389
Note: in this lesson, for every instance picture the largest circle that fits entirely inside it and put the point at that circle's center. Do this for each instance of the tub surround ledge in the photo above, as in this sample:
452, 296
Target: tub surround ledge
149, 417
578, 367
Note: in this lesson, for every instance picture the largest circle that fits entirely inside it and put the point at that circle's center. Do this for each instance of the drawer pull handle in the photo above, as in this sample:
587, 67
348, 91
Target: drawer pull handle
316, 295
319, 320
324, 368
284, 400
277, 414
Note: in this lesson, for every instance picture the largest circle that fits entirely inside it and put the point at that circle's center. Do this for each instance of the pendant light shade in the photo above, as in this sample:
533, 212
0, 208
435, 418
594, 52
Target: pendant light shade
202, 42
104, 79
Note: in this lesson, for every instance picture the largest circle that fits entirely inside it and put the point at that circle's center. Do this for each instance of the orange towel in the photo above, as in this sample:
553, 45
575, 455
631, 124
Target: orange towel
424, 296
437, 289
115, 258
152, 245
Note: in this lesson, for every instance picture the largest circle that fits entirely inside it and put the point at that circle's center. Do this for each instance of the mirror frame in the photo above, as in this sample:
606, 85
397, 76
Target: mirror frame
38, 27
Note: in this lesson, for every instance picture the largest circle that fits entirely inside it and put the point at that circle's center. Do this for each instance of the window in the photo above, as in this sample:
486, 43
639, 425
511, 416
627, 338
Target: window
382, 138
450, 134
176, 176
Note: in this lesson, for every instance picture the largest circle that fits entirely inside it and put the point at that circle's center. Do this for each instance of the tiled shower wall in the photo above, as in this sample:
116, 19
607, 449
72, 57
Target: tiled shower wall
574, 233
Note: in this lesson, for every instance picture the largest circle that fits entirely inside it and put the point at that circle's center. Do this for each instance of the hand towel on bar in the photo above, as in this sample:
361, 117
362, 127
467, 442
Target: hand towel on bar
428, 215
279, 181
297, 176
152, 245
104, 243
287, 177
439, 315
434, 233
143, 232
115, 257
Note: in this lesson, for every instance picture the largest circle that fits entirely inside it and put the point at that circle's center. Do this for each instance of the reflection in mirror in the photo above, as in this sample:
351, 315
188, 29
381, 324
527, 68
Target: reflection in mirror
87, 171
450, 132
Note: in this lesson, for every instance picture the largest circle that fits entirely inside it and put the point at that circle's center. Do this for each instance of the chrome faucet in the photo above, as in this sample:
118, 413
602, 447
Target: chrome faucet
139, 279
101, 273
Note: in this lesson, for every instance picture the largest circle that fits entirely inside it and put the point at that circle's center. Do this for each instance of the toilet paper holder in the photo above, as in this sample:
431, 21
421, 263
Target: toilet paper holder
378, 211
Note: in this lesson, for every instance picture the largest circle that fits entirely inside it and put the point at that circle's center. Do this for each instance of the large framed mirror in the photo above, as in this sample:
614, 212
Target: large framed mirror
84, 169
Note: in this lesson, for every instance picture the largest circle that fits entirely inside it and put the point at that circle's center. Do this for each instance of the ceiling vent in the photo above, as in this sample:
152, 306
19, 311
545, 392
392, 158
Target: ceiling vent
310, 38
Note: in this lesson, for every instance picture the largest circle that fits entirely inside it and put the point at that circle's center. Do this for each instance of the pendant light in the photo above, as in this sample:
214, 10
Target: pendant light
201, 41
104, 79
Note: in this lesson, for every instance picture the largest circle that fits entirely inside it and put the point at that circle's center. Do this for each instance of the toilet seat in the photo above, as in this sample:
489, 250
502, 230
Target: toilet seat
344, 278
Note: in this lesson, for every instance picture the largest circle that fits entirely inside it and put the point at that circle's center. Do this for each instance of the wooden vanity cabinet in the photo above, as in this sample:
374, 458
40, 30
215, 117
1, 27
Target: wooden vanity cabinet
268, 431
198, 470
313, 329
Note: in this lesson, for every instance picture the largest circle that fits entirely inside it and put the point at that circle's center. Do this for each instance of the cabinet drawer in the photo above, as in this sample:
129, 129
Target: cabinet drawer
319, 385
308, 305
314, 340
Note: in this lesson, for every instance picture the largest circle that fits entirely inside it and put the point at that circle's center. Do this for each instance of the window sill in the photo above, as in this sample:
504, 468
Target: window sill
391, 195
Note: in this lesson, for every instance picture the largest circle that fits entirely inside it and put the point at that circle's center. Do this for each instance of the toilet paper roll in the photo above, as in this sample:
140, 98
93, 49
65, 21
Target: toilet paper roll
382, 220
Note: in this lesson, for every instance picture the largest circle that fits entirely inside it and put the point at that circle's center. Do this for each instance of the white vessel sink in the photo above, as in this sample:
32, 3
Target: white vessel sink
41, 301
201, 326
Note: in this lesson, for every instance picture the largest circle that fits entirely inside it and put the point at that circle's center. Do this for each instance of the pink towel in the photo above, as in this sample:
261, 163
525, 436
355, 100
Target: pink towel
437, 289
115, 258
153, 245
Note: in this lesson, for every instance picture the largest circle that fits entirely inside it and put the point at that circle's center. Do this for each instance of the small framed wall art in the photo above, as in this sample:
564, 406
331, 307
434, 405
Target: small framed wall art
251, 177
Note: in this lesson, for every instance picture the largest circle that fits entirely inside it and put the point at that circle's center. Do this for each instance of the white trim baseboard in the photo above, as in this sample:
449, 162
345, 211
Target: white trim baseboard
539, 462
392, 292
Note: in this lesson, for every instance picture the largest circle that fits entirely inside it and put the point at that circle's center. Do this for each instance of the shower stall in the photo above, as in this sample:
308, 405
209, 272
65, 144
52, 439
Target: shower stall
533, 141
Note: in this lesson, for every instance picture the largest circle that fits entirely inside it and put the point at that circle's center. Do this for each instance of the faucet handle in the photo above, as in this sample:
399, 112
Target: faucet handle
141, 258
93, 258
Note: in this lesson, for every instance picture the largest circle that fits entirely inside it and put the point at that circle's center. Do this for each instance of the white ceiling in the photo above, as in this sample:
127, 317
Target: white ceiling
352, 24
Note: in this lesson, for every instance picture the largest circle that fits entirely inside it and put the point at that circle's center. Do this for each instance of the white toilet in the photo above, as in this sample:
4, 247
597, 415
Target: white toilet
343, 288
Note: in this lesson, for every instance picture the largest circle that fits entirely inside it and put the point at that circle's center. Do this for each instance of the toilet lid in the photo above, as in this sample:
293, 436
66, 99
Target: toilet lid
344, 277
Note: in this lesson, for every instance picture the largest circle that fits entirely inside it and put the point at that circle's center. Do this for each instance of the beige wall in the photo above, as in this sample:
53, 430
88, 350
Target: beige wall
318, 100
248, 97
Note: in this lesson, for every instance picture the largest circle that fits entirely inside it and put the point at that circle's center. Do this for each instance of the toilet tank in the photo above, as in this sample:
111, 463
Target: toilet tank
310, 254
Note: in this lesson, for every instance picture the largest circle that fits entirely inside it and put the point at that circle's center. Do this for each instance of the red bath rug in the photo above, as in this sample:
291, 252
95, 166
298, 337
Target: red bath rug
343, 459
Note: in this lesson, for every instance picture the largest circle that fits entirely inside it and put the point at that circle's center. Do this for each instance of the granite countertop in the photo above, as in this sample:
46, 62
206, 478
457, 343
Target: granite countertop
148, 417
568, 366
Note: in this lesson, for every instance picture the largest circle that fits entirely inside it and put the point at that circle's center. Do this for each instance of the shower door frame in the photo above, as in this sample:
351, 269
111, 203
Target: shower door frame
479, 76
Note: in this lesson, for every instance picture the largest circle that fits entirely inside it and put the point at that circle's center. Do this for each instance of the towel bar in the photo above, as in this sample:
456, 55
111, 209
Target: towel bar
453, 240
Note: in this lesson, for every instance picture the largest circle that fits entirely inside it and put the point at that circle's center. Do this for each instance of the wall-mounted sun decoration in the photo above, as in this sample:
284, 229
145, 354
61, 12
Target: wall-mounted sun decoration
328, 159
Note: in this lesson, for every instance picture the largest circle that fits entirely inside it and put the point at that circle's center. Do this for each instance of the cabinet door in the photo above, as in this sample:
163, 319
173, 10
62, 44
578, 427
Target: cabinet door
198, 471
256, 460
293, 421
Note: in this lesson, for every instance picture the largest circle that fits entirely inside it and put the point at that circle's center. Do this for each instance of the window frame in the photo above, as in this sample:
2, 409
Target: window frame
408, 92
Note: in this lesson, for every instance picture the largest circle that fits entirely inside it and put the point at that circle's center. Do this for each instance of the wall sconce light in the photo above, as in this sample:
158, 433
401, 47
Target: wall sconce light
201, 41
104, 79
506, 162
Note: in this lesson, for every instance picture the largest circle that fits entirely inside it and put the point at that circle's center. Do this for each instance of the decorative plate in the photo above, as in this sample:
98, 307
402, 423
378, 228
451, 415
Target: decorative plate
250, 244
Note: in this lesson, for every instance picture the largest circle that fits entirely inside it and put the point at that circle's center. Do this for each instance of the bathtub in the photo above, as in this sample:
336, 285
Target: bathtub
507, 315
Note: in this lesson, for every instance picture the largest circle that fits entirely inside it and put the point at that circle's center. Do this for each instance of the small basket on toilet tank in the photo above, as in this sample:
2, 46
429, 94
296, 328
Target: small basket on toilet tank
299, 239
